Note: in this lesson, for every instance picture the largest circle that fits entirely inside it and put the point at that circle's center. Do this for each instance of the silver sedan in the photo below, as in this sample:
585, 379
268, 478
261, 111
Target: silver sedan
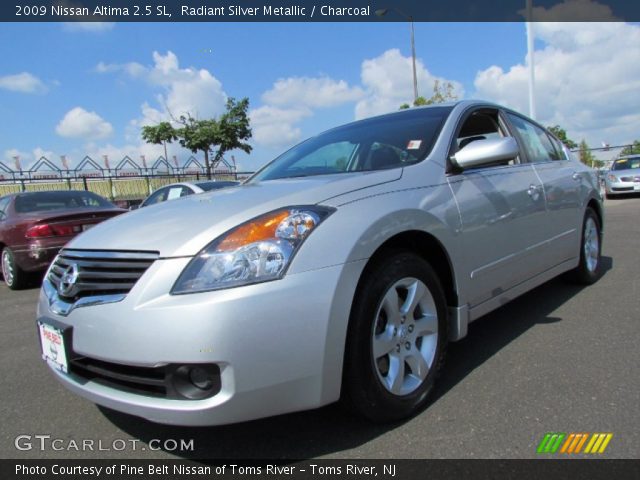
623, 177
339, 271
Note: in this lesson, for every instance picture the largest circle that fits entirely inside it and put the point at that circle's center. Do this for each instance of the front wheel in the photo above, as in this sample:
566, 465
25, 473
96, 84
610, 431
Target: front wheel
589, 269
396, 340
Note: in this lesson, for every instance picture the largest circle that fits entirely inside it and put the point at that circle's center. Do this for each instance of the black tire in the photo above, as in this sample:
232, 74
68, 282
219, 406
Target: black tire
366, 388
586, 273
14, 276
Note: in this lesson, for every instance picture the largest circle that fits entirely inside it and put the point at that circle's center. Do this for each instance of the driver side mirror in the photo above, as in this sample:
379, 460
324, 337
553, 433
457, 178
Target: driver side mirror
485, 152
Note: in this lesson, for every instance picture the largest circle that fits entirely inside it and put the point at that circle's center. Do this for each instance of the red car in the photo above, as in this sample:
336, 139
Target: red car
35, 225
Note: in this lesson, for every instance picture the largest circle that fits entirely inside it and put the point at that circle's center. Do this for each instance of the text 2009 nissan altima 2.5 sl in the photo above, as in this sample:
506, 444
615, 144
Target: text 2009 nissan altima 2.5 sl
338, 271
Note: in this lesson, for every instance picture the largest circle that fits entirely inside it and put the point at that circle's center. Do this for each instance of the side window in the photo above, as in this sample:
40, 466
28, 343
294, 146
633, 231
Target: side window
176, 192
156, 197
537, 143
186, 191
562, 150
4, 203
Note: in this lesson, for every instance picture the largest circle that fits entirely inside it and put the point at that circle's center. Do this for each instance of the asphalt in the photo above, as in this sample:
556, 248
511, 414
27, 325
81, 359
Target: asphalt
561, 358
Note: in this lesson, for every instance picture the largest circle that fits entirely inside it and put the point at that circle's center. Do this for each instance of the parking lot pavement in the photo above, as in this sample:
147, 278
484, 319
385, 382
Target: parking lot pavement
558, 359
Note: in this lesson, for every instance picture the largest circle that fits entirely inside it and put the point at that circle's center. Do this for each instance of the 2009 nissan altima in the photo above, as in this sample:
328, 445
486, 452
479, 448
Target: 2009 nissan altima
340, 270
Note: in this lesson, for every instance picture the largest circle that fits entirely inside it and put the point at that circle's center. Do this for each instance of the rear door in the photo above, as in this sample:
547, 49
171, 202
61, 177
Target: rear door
557, 236
500, 206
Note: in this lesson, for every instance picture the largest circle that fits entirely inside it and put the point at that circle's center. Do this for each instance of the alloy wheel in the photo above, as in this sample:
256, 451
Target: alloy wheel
405, 336
591, 244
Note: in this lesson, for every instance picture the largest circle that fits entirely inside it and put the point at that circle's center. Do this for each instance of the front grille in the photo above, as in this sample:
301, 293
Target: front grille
99, 272
168, 381
140, 380
626, 179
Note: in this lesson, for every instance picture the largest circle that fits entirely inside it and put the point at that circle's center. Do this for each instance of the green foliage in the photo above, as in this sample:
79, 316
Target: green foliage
632, 149
229, 131
441, 93
160, 134
561, 134
585, 154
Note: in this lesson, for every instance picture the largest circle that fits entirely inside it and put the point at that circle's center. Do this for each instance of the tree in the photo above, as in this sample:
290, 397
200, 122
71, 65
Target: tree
228, 132
561, 134
585, 154
441, 93
632, 149
233, 129
160, 134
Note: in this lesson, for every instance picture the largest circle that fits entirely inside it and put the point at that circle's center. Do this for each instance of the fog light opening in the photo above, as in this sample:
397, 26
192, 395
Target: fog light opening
200, 378
195, 382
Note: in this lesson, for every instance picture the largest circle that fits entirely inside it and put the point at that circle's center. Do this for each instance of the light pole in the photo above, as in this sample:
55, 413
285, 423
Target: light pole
381, 13
532, 102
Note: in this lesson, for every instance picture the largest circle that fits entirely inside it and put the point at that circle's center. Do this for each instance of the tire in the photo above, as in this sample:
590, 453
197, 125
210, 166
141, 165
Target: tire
14, 276
589, 269
390, 368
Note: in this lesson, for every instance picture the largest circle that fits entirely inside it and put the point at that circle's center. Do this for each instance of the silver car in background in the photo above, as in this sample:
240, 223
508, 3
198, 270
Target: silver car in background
338, 271
174, 191
623, 177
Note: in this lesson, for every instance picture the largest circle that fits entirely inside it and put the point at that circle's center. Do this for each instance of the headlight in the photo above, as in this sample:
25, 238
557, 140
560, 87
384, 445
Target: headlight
612, 178
257, 251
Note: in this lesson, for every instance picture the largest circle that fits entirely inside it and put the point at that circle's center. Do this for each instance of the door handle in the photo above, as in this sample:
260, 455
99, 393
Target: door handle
534, 191
576, 176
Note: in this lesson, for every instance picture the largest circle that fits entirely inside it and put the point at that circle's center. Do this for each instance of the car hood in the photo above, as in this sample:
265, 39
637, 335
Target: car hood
185, 226
628, 172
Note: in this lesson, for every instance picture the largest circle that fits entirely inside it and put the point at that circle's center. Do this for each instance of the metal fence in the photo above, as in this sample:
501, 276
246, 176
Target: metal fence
127, 182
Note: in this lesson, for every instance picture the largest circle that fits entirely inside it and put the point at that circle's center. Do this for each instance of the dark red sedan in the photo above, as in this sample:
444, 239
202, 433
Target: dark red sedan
35, 225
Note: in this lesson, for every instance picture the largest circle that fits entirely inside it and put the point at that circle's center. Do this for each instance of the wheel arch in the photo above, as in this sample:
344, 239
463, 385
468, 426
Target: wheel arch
596, 206
430, 249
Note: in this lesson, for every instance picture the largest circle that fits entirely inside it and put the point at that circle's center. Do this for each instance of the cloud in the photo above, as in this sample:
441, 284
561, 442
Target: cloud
572, 11
586, 78
276, 127
133, 69
28, 159
79, 123
182, 91
91, 27
311, 92
23, 82
388, 83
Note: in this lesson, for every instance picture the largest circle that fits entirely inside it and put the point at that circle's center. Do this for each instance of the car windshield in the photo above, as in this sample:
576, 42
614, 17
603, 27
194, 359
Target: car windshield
206, 186
39, 201
389, 141
626, 163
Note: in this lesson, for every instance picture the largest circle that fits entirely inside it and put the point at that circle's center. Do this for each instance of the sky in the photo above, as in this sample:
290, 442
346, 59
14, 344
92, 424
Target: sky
87, 89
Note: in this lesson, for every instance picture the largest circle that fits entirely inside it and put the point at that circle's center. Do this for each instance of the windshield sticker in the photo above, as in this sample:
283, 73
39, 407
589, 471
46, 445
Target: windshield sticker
414, 144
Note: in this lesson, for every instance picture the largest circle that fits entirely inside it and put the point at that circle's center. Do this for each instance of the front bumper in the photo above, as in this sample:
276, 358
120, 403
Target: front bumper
621, 188
274, 343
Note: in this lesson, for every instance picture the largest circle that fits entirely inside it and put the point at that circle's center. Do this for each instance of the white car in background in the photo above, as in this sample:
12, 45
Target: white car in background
183, 189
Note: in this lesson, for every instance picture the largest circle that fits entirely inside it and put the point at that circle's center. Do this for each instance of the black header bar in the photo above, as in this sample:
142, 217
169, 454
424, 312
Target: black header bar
317, 10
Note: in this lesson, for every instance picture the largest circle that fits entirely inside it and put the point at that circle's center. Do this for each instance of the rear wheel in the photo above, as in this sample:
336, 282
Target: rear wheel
396, 340
13, 275
589, 269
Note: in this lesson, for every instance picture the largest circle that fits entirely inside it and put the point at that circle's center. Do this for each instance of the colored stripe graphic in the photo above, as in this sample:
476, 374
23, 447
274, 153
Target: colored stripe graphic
572, 443
598, 442
551, 442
